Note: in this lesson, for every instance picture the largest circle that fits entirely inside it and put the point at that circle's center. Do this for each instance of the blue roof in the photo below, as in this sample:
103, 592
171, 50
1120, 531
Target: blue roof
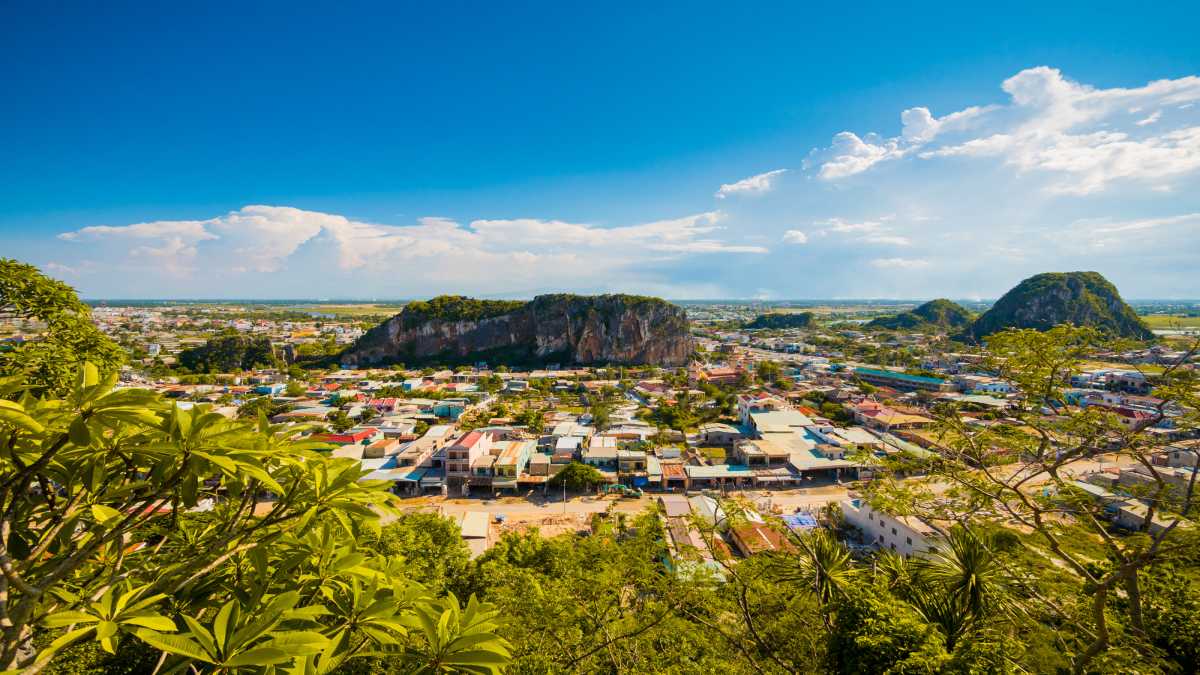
900, 376
800, 521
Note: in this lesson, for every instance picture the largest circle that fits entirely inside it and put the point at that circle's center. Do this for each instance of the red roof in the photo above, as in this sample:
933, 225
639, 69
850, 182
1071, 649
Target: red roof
470, 439
355, 437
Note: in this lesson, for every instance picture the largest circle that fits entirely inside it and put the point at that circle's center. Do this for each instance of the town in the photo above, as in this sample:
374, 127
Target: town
793, 424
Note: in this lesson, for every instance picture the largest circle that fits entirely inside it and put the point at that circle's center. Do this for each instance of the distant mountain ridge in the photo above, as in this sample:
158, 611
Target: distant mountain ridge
940, 314
558, 328
781, 320
1049, 299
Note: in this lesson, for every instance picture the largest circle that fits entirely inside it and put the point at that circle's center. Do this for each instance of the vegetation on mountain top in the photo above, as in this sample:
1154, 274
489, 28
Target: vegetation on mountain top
231, 352
456, 308
936, 315
1044, 301
782, 320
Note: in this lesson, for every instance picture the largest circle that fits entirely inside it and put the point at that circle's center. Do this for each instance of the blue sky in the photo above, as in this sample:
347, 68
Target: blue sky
689, 150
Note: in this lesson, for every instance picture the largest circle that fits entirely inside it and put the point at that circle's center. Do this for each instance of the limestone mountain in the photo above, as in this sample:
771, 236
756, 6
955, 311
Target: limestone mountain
559, 328
936, 315
1046, 300
779, 320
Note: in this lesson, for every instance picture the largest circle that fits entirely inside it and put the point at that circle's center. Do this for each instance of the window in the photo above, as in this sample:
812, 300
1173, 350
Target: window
909, 540
893, 530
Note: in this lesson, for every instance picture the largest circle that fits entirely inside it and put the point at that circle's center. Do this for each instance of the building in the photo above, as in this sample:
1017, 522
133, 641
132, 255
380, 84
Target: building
778, 422
757, 402
719, 434
511, 461
465, 453
902, 381
906, 535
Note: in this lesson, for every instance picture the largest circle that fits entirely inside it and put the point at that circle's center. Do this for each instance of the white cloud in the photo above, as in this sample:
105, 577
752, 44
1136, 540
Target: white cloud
1082, 139
850, 155
899, 263
795, 237
171, 245
1150, 119
875, 232
754, 185
1165, 233
498, 254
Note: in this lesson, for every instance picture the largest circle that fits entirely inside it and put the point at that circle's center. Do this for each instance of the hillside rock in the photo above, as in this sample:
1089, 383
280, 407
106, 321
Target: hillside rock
1046, 300
560, 328
778, 320
940, 315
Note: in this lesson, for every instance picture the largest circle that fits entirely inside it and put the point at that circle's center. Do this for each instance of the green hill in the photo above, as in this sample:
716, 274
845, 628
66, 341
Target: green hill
1047, 300
935, 315
229, 353
778, 320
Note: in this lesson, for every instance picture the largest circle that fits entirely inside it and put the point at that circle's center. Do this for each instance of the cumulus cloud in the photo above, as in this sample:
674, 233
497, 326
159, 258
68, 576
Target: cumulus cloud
754, 185
1081, 138
795, 237
514, 252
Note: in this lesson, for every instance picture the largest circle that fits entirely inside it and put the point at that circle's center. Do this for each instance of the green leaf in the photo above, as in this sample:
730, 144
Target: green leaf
89, 375
220, 626
298, 642
79, 433
59, 619
104, 514
260, 656
14, 415
106, 629
173, 644
153, 622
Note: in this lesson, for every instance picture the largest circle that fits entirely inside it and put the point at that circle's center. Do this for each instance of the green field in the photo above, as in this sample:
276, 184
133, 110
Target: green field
1169, 321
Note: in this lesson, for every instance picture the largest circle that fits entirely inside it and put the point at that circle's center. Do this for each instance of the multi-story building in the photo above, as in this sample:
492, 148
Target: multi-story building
464, 453
906, 535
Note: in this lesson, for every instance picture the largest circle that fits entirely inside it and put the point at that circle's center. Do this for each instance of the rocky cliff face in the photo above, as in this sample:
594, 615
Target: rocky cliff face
1046, 300
566, 329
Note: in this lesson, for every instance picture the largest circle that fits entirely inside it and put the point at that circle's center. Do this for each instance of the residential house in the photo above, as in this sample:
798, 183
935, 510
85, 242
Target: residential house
907, 535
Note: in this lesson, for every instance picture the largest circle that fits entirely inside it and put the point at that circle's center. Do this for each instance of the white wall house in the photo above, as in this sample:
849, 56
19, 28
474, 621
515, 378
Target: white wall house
906, 535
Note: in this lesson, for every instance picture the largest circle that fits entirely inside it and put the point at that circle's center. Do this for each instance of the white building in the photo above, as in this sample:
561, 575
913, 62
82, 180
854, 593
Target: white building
906, 535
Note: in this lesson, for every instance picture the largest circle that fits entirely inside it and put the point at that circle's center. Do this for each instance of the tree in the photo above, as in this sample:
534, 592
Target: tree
1058, 442
578, 477
767, 371
51, 360
211, 540
601, 412
295, 389
339, 421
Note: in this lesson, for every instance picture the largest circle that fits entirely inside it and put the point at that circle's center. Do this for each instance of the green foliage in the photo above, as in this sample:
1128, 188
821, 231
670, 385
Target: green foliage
67, 339
430, 546
578, 477
782, 320
876, 633
229, 353
936, 315
456, 308
217, 542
